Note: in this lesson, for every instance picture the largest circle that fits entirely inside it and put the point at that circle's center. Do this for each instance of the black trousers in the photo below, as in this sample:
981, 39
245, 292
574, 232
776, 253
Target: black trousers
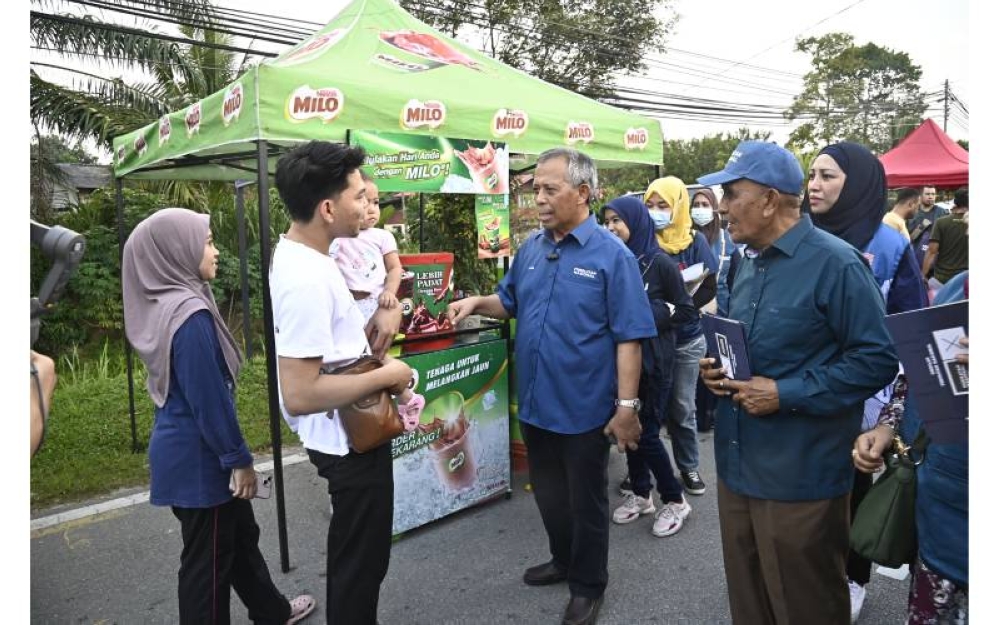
859, 569
569, 478
220, 551
360, 535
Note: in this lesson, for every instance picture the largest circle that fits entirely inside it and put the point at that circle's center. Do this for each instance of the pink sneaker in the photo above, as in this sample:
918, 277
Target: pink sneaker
410, 412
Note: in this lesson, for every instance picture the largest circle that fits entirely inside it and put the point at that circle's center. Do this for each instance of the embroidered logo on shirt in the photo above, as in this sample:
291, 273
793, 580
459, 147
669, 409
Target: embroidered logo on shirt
586, 273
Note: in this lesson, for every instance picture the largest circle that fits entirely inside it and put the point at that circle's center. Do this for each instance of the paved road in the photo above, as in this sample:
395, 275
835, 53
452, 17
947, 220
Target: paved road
120, 566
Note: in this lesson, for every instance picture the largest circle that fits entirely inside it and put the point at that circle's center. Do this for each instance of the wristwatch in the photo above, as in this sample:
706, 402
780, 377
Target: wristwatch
634, 404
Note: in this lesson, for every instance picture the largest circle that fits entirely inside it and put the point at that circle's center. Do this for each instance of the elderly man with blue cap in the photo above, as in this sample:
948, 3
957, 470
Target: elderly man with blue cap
815, 327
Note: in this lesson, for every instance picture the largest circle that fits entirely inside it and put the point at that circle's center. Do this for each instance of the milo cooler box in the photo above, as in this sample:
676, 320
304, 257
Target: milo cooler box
425, 291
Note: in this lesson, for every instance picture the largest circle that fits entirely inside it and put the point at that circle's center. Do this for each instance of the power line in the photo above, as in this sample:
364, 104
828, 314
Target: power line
753, 56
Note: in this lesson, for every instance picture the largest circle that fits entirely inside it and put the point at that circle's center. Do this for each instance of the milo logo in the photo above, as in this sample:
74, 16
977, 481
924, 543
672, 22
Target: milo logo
579, 132
509, 122
232, 103
139, 145
636, 139
307, 103
192, 119
164, 129
311, 48
456, 463
416, 114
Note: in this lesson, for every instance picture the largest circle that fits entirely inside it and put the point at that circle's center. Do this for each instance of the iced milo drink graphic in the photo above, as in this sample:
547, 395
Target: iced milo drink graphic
452, 453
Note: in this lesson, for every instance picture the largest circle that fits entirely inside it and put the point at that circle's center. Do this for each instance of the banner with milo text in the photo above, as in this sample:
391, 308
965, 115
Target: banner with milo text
459, 455
430, 164
493, 225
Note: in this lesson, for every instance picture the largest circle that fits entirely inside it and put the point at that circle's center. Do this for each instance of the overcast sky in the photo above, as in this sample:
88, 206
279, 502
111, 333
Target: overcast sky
743, 52
762, 34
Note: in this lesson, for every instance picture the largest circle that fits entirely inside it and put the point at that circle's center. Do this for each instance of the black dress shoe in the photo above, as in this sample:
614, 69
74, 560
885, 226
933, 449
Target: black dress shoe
544, 575
582, 610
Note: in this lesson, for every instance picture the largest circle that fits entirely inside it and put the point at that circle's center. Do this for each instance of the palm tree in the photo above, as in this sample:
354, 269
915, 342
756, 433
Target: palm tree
101, 108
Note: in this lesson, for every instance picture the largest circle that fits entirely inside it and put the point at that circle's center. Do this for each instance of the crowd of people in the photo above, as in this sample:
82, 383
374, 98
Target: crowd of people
809, 262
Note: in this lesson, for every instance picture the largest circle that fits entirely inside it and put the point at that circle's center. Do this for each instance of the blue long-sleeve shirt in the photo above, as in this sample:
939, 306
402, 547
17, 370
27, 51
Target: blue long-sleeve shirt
815, 324
196, 440
575, 301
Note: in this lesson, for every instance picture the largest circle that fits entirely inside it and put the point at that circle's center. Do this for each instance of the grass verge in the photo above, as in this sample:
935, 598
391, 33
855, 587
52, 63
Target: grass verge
88, 441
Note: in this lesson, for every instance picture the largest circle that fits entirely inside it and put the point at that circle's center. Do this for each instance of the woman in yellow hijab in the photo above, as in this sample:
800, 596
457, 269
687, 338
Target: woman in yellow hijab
670, 207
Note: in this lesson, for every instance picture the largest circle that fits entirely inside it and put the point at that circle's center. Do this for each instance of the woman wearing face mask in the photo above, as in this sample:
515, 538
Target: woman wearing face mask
669, 207
846, 195
705, 215
628, 219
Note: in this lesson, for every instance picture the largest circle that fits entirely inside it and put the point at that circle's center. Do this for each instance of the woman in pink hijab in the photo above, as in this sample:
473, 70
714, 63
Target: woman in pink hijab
199, 463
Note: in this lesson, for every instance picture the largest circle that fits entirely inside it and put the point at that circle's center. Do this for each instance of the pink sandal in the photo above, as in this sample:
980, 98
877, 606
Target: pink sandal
410, 412
302, 606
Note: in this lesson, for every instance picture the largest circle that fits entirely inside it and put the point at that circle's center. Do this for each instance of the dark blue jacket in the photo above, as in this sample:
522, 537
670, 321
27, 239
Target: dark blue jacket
896, 271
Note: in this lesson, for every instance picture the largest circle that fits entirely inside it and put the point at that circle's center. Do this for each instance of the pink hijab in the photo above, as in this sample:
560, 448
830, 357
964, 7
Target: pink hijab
162, 287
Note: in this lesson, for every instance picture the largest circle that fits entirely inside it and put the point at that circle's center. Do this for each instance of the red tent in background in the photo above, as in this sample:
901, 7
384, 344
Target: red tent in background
926, 156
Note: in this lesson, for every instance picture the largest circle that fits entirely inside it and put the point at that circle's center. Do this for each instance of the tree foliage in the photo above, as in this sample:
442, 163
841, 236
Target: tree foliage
688, 159
867, 94
449, 224
576, 45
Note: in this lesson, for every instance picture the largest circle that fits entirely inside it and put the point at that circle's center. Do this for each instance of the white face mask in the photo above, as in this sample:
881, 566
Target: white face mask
702, 215
661, 219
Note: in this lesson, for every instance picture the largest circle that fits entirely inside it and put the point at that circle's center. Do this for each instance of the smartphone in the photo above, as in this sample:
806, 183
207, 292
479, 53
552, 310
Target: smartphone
263, 485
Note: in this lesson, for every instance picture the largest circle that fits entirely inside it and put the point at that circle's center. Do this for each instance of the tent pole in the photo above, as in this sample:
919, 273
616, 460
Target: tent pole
120, 215
272, 361
421, 247
241, 227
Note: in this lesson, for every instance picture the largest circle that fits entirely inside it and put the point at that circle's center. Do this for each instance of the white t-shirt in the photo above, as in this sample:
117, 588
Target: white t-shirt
314, 316
361, 259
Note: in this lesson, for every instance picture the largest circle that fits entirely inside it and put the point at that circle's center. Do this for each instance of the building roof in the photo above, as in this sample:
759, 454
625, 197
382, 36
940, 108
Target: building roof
86, 177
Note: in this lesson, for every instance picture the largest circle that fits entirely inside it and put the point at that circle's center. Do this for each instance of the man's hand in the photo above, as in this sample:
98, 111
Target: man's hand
714, 378
46, 381
399, 374
245, 482
382, 329
625, 427
758, 396
869, 447
461, 309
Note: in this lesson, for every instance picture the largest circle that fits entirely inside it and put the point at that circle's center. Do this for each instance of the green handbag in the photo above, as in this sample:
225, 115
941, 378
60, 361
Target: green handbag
884, 529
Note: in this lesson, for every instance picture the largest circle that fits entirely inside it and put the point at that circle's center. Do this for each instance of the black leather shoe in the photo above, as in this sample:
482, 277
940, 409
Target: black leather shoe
544, 575
582, 610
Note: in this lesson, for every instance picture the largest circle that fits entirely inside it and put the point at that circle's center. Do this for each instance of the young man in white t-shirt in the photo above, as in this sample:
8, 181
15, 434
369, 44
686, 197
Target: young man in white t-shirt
317, 326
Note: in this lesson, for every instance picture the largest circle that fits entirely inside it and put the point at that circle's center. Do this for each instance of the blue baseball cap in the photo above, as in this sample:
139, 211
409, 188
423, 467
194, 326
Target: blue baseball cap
765, 163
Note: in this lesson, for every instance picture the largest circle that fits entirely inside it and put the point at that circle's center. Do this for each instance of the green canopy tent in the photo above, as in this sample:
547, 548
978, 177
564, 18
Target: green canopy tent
373, 67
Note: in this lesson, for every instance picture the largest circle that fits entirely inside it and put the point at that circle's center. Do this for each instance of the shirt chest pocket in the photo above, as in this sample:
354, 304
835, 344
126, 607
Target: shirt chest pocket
789, 332
581, 301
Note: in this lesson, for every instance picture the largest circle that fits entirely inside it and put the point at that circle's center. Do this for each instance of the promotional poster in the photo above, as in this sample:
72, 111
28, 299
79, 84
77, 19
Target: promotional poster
430, 164
459, 455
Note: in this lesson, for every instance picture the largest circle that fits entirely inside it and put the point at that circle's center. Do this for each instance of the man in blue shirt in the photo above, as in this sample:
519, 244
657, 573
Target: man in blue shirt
818, 347
578, 293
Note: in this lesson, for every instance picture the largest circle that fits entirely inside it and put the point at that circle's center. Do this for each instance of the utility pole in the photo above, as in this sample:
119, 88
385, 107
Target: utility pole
947, 99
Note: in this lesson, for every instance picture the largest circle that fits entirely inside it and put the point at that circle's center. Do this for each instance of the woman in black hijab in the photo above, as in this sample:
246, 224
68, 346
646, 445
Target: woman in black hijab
846, 196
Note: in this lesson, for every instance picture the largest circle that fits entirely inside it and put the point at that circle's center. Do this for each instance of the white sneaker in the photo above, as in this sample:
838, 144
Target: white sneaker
633, 508
857, 592
670, 518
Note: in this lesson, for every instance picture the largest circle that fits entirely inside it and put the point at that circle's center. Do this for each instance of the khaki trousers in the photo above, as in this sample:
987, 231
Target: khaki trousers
785, 560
